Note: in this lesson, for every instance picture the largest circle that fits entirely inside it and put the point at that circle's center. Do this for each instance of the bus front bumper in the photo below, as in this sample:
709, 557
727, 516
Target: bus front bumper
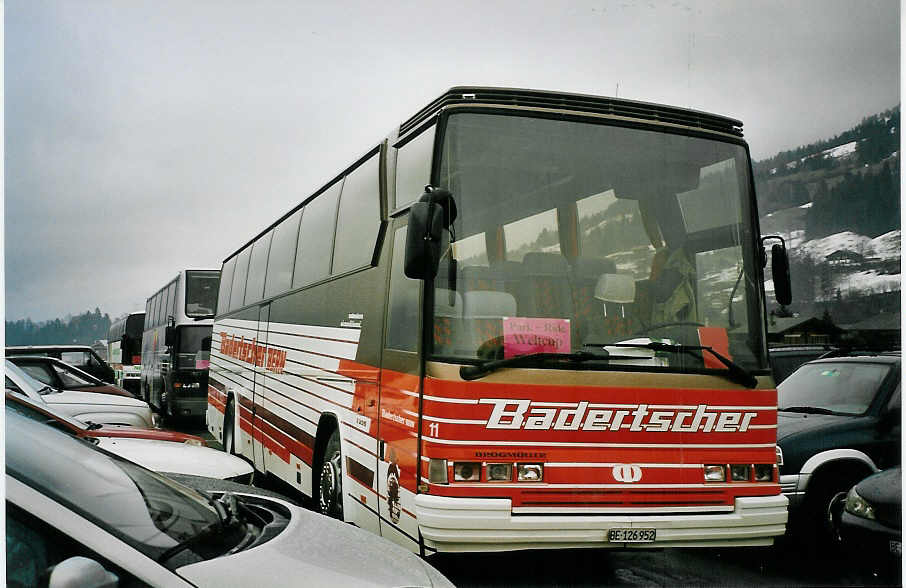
482, 524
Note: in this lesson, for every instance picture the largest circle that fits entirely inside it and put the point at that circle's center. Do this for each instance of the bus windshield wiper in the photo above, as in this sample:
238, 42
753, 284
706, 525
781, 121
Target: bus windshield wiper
473, 372
807, 410
735, 372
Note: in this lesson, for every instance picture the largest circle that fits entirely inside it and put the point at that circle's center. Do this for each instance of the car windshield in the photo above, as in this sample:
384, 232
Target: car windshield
148, 511
35, 386
572, 233
839, 387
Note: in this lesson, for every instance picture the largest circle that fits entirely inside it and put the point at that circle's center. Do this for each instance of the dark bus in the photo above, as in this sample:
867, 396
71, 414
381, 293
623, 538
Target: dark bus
176, 344
124, 351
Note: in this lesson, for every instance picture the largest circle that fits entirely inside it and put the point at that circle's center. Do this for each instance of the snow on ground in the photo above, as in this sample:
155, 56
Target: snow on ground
841, 150
887, 246
821, 248
866, 280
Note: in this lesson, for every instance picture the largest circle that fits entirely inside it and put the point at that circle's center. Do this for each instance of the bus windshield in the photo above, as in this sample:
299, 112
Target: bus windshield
572, 236
194, 348
201, 293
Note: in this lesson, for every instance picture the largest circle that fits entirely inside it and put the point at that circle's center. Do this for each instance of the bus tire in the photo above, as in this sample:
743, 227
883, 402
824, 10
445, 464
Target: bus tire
330, 478
229, 433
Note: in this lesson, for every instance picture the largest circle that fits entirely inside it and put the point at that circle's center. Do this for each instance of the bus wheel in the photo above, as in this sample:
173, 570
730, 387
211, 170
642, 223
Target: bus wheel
228, 424
330, 486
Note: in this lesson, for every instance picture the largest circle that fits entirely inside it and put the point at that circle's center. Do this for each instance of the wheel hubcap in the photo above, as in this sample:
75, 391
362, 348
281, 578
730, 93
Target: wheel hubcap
330, 486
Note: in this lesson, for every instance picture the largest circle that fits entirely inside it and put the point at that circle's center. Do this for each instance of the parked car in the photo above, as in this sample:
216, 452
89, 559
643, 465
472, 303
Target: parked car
870, 518
78, 516
62, 376
786, 359
167, 452
82, 356
85, 406
838, 422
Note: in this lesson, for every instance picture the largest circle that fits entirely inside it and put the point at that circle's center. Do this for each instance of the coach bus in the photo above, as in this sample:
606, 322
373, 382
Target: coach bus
524, 320
124, 351
176, 343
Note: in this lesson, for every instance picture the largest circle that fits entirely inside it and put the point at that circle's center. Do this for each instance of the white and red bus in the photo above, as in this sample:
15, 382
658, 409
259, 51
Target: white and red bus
560, 342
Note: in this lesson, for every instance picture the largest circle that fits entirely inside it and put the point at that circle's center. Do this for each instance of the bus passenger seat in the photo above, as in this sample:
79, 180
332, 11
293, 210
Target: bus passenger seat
546, 291
588, 310
484, 309
446, 315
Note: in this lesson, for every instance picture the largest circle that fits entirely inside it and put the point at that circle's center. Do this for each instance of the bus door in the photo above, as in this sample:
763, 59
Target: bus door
398, 457
263, 446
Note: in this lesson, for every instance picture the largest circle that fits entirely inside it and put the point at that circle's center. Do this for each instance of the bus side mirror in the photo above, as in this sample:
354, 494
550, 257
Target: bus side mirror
428, 218
170, 336
780, 270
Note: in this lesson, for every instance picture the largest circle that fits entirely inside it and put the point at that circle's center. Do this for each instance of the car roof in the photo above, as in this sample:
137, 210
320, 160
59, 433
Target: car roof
48, 347
892, 358
46, 359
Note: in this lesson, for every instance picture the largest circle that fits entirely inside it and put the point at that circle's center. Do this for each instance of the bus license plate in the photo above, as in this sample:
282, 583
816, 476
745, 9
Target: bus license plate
896, 548
631, 535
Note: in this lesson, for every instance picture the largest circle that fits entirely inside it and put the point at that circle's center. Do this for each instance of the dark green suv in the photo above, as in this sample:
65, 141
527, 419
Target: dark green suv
838, 421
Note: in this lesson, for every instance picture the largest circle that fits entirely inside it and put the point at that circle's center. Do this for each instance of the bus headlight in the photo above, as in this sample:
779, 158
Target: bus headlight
764, 472
499, 472
437, 471
715, 473
529, 472
740, 472
466, 471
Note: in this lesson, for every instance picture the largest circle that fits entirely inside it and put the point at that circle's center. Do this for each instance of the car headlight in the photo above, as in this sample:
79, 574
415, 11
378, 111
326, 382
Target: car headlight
858, 506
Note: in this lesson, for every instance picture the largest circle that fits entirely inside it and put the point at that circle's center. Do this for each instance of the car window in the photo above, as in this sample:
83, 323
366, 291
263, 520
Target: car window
840, 387
39, 372
76, 358
33, 547
11, 386
70, 379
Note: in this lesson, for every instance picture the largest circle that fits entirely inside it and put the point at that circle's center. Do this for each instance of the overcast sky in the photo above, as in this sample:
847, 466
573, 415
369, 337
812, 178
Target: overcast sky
145, 137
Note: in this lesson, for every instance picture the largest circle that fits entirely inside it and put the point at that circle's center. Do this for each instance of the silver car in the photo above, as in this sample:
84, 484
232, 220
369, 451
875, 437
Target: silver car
106, 409
79, 516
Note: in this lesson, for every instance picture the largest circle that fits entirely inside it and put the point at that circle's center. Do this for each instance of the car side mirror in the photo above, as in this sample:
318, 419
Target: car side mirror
81, 572
434, 212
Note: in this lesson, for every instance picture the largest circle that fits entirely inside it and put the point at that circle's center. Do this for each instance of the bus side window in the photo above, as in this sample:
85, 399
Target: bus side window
237, 297
413, 167
402, 320
283, 254
316, 237
359, 218
254, 290
226, 283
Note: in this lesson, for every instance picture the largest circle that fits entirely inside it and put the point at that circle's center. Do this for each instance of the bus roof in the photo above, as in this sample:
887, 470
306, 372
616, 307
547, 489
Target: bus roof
588, 103
575, 102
